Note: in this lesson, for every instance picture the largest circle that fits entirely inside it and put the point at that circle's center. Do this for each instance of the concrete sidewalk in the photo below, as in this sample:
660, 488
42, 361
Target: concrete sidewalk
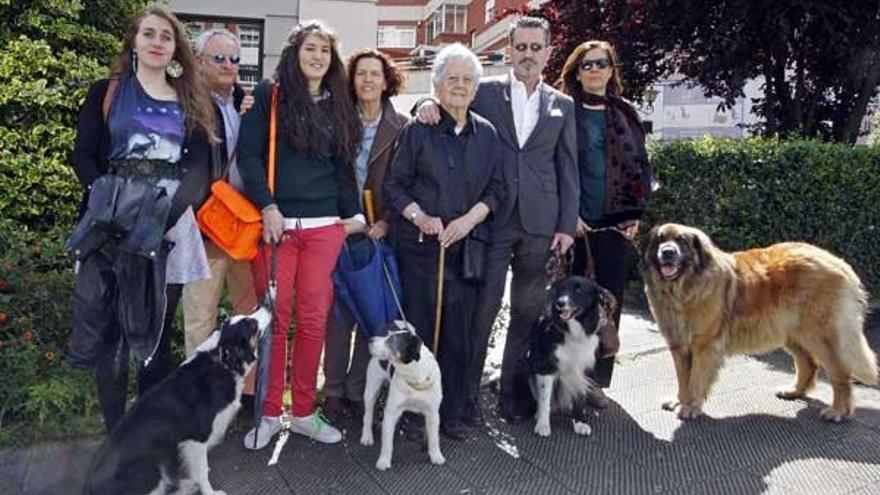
750, 443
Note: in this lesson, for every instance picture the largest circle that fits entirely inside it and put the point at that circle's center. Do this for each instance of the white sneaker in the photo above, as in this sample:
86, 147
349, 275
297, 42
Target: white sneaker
269, 427
315, 427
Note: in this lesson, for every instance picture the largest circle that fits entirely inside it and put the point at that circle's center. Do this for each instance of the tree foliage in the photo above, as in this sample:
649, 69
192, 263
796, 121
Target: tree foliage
819, 60
50, 52
625, 23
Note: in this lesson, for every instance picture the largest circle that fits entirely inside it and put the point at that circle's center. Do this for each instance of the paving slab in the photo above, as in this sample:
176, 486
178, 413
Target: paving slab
748, 443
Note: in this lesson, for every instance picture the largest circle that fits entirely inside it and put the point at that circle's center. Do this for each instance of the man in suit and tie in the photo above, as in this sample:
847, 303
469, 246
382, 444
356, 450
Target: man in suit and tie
536, 126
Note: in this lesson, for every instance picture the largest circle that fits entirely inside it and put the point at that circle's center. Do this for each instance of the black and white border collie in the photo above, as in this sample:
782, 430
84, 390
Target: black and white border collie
400, 359
161, 445
562, 351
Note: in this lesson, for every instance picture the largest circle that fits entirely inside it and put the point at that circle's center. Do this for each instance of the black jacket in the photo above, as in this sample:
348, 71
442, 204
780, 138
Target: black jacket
445, 173
306, 185
92, 147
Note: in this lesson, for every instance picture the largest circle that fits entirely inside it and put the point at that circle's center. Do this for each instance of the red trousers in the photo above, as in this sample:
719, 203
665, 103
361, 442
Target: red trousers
306, 259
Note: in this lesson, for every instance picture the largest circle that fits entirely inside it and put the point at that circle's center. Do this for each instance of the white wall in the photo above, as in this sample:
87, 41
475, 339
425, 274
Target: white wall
354, 21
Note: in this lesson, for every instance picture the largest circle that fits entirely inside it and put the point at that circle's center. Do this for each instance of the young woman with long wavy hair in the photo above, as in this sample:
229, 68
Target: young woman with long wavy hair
314, 206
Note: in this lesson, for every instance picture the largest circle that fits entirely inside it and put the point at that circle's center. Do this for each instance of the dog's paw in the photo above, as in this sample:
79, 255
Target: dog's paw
687, 412
367, 439
382, 464
542, 429
437, 458
581, 428
789, 393
833, 415
670, 404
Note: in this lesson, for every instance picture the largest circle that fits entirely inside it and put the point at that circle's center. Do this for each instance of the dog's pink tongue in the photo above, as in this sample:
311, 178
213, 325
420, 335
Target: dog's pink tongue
668, 270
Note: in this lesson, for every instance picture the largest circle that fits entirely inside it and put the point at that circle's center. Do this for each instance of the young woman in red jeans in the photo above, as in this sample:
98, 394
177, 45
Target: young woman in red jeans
313, 208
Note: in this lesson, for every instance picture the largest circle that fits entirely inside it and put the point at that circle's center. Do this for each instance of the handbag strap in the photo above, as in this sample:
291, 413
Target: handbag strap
107, 102
273, 118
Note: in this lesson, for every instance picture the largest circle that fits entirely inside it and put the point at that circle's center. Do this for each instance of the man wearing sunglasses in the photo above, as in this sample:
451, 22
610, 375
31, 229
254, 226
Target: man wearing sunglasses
536, 127
219, 53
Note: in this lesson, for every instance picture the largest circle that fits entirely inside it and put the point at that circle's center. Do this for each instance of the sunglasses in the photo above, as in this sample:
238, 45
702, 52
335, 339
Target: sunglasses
535, 47
600, 63
218, 58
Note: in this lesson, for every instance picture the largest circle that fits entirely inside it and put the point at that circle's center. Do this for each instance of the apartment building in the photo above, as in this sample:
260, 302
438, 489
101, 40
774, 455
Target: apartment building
419, 27
263, 25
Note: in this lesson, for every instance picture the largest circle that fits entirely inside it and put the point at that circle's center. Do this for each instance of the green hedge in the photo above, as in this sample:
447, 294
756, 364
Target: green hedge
755, 192
40, 396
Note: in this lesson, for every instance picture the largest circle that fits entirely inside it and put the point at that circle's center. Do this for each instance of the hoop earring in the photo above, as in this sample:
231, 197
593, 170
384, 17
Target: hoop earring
174, 69
134, 62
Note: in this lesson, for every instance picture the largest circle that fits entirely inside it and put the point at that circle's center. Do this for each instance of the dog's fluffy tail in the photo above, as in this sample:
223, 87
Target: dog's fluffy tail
854, 349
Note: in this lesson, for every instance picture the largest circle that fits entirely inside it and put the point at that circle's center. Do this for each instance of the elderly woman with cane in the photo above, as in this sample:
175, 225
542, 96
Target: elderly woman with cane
444, 181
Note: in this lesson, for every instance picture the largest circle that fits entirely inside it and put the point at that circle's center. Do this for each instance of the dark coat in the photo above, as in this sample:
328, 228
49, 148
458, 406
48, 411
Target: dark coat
542, 176
221, 158
92, 147
380, 155
446, 180
629, 179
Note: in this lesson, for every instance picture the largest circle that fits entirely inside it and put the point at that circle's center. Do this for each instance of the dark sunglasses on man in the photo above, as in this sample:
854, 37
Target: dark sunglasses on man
599, 63
535, 47
218, 59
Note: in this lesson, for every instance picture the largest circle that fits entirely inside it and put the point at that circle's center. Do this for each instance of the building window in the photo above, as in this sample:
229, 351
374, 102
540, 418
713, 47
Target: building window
249, 36
490, 11
396, 37
447, 19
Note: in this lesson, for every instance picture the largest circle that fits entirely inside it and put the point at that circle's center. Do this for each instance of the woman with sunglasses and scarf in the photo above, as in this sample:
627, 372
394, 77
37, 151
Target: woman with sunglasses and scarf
615, 180
314, 206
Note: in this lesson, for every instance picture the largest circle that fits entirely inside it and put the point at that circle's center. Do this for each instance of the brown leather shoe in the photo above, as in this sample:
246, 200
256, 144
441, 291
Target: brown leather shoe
413, 426
597, 399
334, 409
455, 431
511, 414
473, 415
355, 409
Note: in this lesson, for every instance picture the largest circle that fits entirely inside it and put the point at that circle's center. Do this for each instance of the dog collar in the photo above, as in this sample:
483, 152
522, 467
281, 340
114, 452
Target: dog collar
425, 384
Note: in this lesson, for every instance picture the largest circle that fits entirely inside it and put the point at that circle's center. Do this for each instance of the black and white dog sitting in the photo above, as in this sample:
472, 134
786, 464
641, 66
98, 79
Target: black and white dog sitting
161, 445
401, 359
562, 351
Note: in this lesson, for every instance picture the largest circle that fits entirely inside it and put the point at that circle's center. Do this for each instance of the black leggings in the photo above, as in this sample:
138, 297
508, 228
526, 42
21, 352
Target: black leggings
609, 250
111, 370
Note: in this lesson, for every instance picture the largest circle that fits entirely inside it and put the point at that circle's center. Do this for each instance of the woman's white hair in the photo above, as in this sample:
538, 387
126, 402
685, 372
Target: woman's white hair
455, 51
206, 36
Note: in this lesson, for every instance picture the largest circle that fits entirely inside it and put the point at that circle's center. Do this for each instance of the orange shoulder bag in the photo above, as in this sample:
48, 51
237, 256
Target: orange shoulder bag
227, 217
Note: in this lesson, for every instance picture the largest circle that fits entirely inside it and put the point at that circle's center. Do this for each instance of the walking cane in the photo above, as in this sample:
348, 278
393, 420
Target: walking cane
439, 314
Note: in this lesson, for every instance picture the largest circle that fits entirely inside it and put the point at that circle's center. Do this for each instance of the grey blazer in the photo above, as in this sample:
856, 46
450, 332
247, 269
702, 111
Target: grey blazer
543, 174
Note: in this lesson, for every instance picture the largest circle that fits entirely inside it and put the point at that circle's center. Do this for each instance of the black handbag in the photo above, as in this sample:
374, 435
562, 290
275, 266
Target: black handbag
473, 254
473, 246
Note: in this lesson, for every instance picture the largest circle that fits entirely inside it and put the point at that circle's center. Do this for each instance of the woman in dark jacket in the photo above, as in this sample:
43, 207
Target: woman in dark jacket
313, 208
445, 180
374, 79
143, 154
615, 175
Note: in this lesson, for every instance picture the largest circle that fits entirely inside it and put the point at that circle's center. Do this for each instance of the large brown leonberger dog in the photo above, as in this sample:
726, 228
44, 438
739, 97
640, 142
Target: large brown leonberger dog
710, 304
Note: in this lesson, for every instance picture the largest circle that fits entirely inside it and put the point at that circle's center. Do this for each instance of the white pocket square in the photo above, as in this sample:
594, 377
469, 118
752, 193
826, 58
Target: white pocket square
555, 112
